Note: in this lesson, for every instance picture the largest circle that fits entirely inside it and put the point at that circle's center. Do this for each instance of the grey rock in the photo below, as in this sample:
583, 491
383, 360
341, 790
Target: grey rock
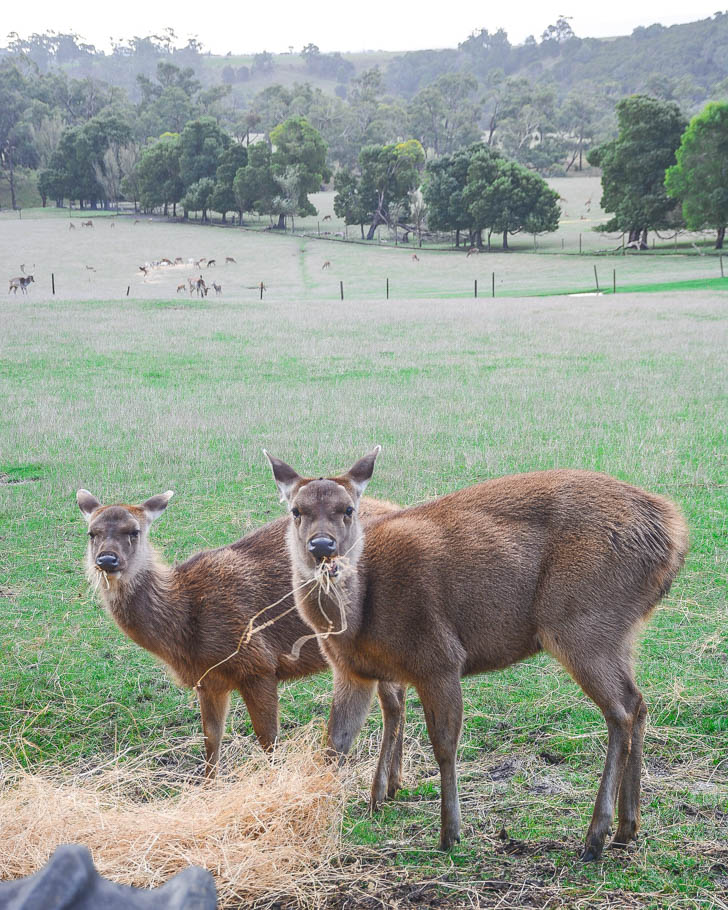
69, 881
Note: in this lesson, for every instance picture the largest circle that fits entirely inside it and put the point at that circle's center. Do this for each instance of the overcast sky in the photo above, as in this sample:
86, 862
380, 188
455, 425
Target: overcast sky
371, 25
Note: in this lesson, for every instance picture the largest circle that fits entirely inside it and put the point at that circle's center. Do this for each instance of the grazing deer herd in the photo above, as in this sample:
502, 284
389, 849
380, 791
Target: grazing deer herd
567, 562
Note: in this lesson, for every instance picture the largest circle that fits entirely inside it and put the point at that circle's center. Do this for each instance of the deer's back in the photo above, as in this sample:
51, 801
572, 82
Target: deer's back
485, 576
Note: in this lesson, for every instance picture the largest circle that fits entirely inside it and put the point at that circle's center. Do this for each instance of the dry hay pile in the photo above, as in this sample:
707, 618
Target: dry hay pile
264, 829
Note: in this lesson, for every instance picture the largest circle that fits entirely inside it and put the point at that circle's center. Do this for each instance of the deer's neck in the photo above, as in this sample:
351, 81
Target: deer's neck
332, 609
148, 607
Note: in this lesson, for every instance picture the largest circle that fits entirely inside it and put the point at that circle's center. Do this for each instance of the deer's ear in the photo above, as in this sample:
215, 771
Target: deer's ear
87, 503
287, 480
154, 507
360, 474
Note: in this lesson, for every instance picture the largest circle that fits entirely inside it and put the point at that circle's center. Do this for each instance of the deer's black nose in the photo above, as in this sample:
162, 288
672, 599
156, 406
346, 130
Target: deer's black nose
322, 546
107, 561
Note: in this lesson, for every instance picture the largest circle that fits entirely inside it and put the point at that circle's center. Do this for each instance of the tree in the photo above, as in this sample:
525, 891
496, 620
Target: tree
505, 197
16, 139
388, 174
73, 166
223, 198
198, 196
202, 143
445, 185
254, 186
348, 201
634, 164
157, 174
296, 144
699, 179
444, 116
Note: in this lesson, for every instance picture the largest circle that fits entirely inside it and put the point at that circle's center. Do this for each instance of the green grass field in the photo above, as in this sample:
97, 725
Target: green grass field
132, 396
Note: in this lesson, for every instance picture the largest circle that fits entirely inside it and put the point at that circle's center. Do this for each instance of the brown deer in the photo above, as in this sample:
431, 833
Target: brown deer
181, 287
326, 265
229, 260
193, 615
568, 562
217, 287
473, 251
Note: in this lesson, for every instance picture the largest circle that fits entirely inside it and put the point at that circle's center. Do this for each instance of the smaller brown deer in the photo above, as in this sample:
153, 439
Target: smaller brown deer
217, 287
229, 260
193, 615
326, 265
568, 562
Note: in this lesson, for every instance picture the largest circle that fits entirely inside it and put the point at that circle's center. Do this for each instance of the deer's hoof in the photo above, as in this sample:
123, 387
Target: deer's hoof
448, 841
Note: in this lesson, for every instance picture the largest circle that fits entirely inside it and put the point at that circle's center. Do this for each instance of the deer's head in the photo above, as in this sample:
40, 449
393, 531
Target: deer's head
325, 522
118, 534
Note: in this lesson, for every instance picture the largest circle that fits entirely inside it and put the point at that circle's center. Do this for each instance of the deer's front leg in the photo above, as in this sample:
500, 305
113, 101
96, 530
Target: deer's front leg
349, 709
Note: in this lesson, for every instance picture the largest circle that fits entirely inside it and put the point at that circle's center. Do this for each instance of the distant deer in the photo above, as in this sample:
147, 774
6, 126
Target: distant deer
22, 282
326, 218
326, 265
71, 226
211, 262
144, 270
165, 261
568, 562
228, 260
218, 288
179, 260
88, 223
415, 257
181, 287
473, 251
192, 615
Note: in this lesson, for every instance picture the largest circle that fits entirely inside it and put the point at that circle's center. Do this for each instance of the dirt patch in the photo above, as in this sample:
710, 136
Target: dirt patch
9, 479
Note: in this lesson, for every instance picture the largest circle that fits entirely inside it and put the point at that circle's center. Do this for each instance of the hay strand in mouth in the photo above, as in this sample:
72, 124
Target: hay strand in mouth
327, 575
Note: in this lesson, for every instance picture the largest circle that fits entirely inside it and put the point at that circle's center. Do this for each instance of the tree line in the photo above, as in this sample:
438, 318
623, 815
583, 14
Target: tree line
86, 141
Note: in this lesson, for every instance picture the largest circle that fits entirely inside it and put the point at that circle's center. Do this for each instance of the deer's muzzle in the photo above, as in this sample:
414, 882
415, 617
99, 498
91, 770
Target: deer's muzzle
322, 546
107, 562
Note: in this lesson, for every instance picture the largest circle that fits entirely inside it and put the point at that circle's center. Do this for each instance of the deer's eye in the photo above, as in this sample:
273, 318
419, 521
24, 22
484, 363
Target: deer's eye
349, 511
91, 535
295, 512
133, 534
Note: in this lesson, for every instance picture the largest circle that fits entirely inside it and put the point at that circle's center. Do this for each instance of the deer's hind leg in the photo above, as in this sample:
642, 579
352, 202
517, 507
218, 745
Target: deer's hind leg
629, 792
604, 671
387, 778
